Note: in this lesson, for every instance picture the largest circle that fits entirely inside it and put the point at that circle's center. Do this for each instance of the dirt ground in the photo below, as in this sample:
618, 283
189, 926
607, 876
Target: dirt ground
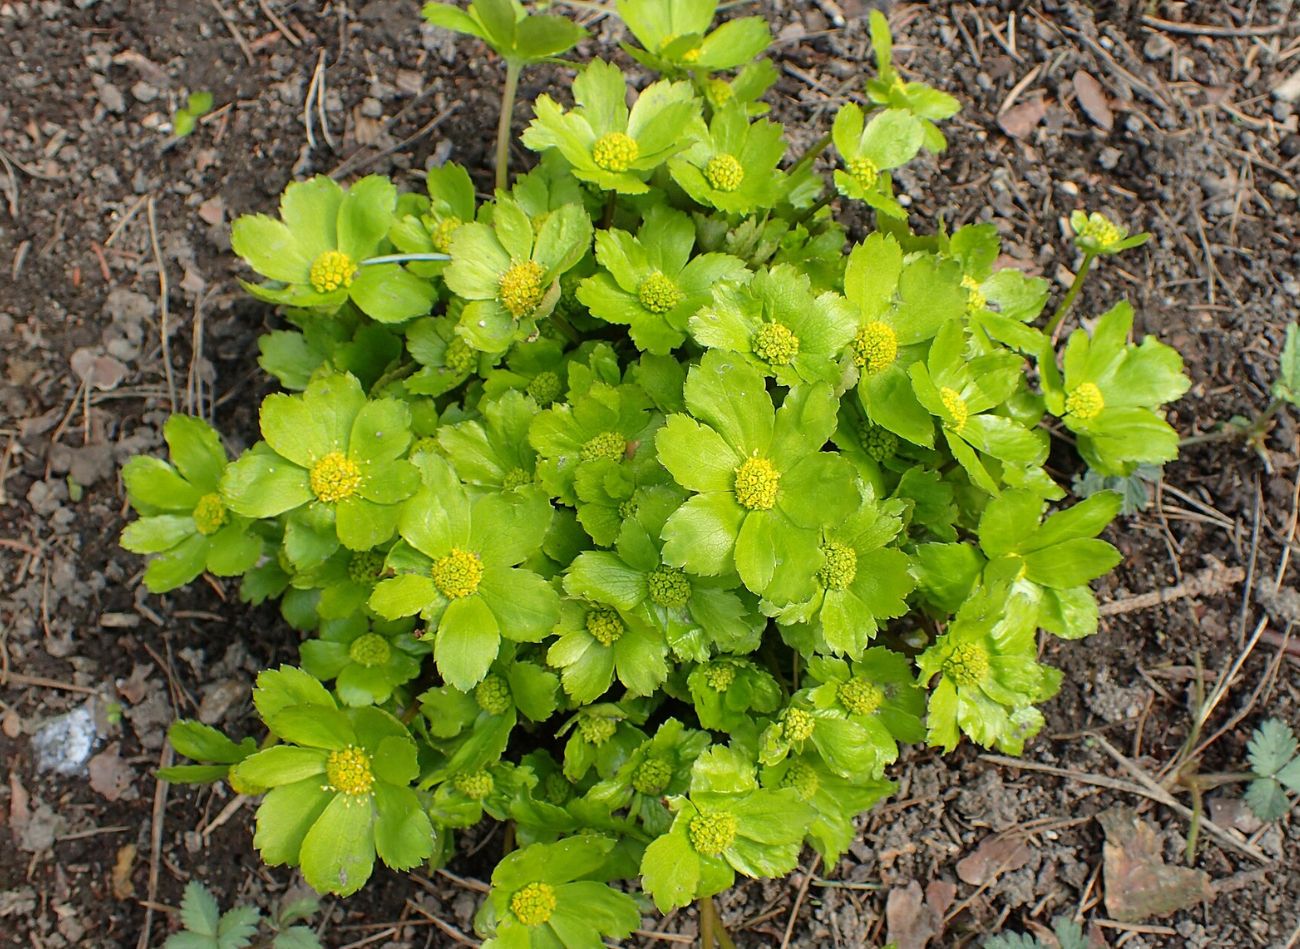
1179, 118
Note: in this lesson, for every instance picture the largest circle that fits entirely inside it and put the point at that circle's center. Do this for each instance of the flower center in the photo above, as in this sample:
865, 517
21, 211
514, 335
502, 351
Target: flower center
864, 172
627, 510
533, 903
975, 299
720, 91
365, 566
692, 55
614, 151
331, 270
803, 778
335, 477
967, 664
521, 288
719, 677
712, 833
209, 514
1085, 402
658, 293
668, 587
609, 445
797, 724
652, 776
775, 344
369, 650
756, 483
493, 695
516, 478
839, 567
475, 785
459, 357
457, 574
880, 443
955, 406
441, 235
597, 729
1100, 229
347, 770
859, 696
724, 172
544, 388
875, 347
605, 626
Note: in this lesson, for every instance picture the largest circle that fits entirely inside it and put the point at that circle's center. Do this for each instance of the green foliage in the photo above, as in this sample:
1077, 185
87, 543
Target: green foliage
635, 505
206, 927
514, 34
1276, 766
1068, 933
1287, 385
197, 105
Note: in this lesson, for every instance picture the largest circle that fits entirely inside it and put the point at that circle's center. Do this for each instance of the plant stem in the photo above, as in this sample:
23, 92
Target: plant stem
611, 205
503, 123
1070, 294
568, 329
712, 932
810, 156
827, 197
1233, 430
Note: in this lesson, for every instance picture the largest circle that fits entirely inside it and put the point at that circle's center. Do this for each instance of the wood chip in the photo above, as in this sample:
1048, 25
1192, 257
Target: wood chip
1139, 884
912, 923
994, 856
123, 888
1093, 101
1019, 120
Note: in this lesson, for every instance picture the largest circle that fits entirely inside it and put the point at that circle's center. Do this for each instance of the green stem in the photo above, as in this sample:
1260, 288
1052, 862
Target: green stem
611, 205
1070, 294
827, 197
1233, 430
810, 156
567, 328
712, 932
503, 123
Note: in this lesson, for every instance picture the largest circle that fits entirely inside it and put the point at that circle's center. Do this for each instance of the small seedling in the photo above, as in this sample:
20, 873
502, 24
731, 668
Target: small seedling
206, 927
1275, 768
197, 105
1068, 933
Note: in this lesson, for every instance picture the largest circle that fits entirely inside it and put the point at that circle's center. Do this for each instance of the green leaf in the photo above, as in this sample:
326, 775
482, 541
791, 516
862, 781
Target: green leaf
1287, 384
195, 450
467, 642
270, 248
338, 852
1272, 746
287, 686
282, 764
403, 834
199, 910
1265, 797
237, 927
262, 484
539, 37
204, 743
670, 869
389, 293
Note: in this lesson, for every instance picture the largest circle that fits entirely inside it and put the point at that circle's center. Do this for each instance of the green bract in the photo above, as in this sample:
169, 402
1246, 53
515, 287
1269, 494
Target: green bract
634, 505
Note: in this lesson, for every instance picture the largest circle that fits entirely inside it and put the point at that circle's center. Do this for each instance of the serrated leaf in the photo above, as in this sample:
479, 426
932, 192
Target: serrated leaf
237, 927
199, 910
1271, 747
1266, 799
1287, 385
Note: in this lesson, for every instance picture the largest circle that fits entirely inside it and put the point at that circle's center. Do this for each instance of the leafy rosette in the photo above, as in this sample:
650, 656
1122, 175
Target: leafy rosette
368, 661
999, 303
1096, 234
783, 329
184, 520
458, 568
1051, 560
835, 800
548, 896
493, 453
334, 458
605, 142
870, 150
660, 768
902, 303
964, 393
727, 824
651, 283
600, 737
860, 582
515, 35
509, 271
1112, 391
539, 368
445, 359
734, 166
315, 254
762, 488
877, 694
598, 641
727, 691
695, 614
340, 786
675, 36
989, 674
887, 89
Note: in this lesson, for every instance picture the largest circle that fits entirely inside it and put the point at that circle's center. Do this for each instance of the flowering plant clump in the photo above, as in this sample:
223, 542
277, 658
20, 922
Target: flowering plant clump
638, 506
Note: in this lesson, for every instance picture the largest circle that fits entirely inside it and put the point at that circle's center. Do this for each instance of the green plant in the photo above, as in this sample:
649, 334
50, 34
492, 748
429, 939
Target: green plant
1068, 933
655, 537
197, 105
206, 927
1275, 769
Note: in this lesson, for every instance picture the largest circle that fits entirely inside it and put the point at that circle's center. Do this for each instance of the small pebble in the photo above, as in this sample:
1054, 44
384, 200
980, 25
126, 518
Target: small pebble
1109, 157
144, 92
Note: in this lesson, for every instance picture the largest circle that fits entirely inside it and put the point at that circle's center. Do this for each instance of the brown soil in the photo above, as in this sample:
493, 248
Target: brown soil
1202, 153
